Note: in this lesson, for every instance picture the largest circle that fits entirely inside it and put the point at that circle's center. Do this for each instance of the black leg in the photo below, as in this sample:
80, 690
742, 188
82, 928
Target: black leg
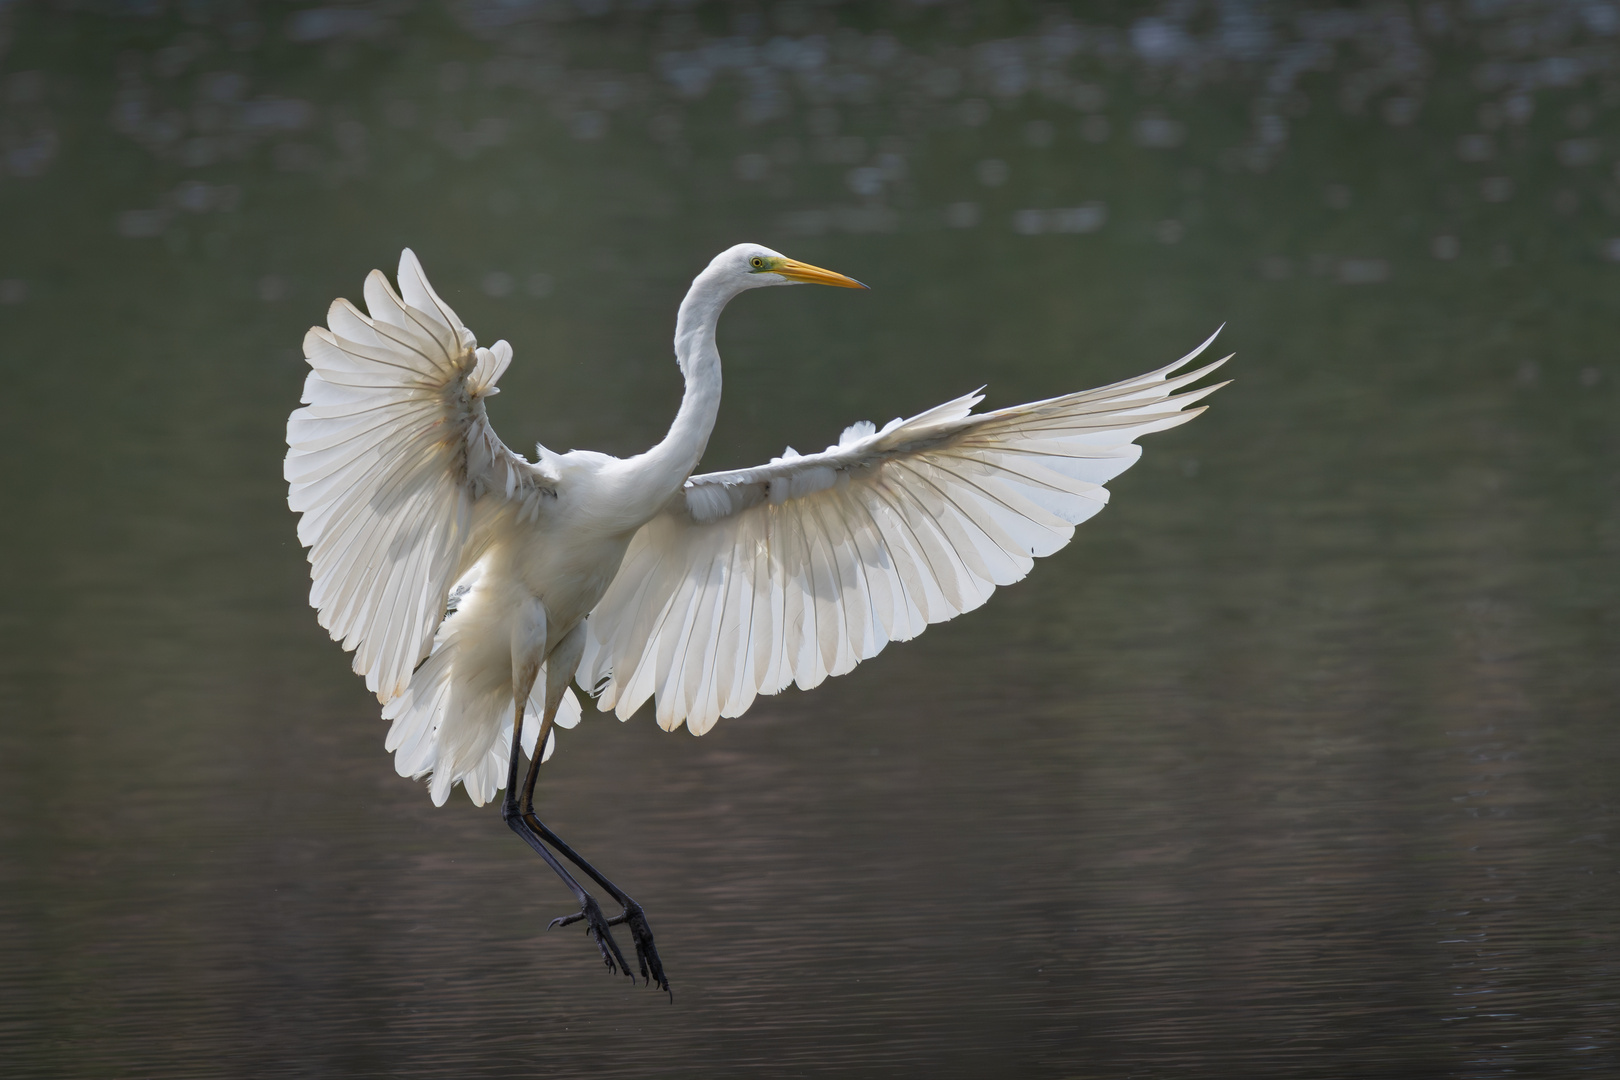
652, 969
596, 923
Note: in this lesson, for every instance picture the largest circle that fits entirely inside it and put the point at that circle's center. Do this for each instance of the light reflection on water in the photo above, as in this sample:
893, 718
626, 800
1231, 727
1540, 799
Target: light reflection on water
1300, 761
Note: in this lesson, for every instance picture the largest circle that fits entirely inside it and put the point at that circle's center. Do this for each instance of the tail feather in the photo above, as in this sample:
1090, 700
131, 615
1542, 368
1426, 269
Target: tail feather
454, 724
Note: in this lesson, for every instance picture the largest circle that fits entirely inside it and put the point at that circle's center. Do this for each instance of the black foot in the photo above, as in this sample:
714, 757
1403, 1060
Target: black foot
596, 925
652, 969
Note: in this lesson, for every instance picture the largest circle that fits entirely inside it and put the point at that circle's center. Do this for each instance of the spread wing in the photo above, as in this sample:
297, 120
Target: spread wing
793, 571
384, 462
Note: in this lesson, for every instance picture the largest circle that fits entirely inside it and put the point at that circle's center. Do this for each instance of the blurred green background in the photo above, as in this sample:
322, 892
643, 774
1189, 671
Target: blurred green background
1301, 760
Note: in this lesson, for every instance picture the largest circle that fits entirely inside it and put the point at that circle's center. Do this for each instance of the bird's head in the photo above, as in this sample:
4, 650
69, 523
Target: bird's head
751, 266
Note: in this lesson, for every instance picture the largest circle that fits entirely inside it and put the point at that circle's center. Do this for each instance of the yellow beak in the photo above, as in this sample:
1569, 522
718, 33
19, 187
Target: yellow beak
794, 270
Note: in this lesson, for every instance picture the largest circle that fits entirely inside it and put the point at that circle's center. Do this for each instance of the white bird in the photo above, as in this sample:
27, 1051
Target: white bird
474, 585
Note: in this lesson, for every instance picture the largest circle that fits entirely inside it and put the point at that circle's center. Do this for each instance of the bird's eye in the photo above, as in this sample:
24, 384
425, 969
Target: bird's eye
757, 262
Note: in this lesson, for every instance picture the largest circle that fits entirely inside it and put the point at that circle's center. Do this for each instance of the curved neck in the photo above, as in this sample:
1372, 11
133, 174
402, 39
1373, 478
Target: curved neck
664, 468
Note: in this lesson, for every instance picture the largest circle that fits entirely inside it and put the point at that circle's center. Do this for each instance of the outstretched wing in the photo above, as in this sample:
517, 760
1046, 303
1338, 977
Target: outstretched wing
793, 571
384, 462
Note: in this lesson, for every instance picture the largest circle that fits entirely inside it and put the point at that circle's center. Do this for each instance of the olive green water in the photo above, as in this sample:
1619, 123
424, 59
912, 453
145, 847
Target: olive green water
1302, 760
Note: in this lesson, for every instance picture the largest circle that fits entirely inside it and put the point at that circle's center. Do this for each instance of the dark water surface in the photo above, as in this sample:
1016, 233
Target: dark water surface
1302, 760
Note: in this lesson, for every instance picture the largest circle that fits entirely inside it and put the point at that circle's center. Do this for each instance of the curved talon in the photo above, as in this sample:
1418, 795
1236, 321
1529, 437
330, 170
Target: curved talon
608, 957
566, 920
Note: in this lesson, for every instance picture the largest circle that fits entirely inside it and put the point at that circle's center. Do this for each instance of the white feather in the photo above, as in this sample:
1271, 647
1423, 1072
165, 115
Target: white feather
800, 569
447, 563
378, 465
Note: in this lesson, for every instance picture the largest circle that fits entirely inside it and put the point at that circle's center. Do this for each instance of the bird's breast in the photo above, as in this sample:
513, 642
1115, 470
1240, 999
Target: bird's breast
568, 570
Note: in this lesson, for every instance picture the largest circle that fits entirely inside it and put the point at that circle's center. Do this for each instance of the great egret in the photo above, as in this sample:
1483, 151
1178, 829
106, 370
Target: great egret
474, 585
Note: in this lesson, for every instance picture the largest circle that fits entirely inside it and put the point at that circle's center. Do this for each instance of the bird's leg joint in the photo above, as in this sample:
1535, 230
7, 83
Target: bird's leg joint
631, 915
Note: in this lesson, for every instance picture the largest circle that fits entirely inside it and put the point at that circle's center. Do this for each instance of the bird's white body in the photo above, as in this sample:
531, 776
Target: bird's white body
458, 570
565, 558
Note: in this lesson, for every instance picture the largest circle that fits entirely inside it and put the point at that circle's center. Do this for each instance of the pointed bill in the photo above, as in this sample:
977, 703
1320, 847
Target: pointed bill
794, 270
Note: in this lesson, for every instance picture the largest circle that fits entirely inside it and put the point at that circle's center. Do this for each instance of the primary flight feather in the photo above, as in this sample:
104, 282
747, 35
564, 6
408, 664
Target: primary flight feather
474, 585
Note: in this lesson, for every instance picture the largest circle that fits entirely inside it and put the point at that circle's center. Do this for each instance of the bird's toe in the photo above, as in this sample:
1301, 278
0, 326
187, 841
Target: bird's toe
597, 926
652, 969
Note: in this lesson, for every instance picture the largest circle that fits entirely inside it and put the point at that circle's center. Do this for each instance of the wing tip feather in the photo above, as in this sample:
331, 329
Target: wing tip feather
1195, 354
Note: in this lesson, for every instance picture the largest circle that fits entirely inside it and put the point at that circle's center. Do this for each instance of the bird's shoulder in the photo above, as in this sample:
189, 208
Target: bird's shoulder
579, 464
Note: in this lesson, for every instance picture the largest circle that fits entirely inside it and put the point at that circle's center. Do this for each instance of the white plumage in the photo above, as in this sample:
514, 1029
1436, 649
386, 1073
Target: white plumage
700, 592
800, 569
388, 461
385, 462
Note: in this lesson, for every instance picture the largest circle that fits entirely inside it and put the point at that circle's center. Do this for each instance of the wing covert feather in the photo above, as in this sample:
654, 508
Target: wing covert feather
384, 461
802, 568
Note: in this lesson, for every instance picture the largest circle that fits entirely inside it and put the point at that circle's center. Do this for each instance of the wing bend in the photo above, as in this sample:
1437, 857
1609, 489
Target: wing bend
800, 569
384, 462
